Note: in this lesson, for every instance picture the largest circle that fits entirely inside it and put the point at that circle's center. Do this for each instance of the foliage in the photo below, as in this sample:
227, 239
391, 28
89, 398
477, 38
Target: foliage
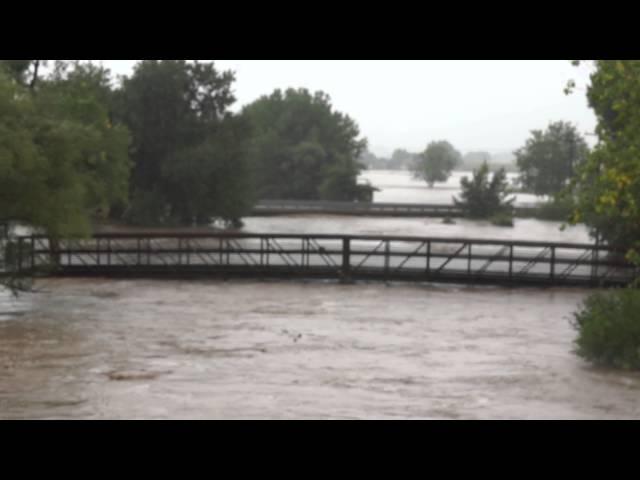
302, 149
559, 208
61, 159
549, 159
212, 180
482, 197
609, 329
190, 153
436, 162
502, 219
607, 185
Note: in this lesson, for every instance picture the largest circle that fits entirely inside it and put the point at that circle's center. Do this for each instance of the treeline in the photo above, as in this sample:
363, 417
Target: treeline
402, 159
161, 146
547, 162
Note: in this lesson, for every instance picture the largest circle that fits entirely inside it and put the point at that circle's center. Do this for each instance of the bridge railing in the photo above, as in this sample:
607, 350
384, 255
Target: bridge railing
329, 256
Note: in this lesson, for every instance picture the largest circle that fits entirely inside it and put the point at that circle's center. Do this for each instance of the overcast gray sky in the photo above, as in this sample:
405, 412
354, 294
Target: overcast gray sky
475, 104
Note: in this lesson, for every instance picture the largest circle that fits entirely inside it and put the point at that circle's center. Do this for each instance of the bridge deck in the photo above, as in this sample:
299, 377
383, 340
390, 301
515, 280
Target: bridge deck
342, 257
287, 207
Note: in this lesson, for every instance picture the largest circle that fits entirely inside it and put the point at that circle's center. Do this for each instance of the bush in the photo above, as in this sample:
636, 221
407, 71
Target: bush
504, 219
609, 329
557, 210
484, 195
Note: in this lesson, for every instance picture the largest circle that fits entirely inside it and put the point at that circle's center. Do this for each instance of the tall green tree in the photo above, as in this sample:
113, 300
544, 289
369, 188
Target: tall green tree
62, 161
550, 158
189, 152
607, 185
303, 149
436, 163
25, 72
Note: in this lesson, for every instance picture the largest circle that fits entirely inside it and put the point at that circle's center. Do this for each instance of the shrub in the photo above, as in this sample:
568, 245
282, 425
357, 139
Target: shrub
609, 329
485, 195
503, 219
559, 209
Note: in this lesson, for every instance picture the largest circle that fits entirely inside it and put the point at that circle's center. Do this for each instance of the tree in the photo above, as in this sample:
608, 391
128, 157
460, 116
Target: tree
189, 152
606, 191
302, 148
61, 160
607, 185
549, 159
436, 162
482, 197
211, 179
25, 72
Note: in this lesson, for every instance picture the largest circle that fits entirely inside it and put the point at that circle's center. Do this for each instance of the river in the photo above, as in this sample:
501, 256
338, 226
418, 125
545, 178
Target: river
249, 349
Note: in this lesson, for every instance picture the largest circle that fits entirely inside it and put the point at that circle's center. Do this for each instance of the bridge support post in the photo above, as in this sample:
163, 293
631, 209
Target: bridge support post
428, 257
346, 259
386, 260
19, 262
510, 263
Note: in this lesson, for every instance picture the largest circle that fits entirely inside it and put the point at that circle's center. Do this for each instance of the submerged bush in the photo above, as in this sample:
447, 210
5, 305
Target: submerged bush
485, 195
558, 209
504, 219
609, 329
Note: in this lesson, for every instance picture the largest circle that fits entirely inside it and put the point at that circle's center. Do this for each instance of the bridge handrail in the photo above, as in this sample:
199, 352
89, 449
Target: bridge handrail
356, 237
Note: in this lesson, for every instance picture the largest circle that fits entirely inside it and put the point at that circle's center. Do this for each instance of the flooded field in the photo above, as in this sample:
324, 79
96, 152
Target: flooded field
523, 229
400, 186
154, 349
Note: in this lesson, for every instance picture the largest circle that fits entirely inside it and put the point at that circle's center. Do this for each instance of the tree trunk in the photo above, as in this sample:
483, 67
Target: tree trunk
54, 251
34, 79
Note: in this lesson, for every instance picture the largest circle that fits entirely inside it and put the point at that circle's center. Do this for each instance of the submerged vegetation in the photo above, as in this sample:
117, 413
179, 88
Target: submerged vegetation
436, 163
550, 158
486, 196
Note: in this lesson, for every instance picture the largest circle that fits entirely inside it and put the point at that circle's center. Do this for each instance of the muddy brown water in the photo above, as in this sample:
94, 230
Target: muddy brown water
209, 349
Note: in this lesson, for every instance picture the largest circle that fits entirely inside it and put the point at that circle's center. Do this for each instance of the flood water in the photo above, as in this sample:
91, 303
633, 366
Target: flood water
250, 349
399, 186
159, 349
